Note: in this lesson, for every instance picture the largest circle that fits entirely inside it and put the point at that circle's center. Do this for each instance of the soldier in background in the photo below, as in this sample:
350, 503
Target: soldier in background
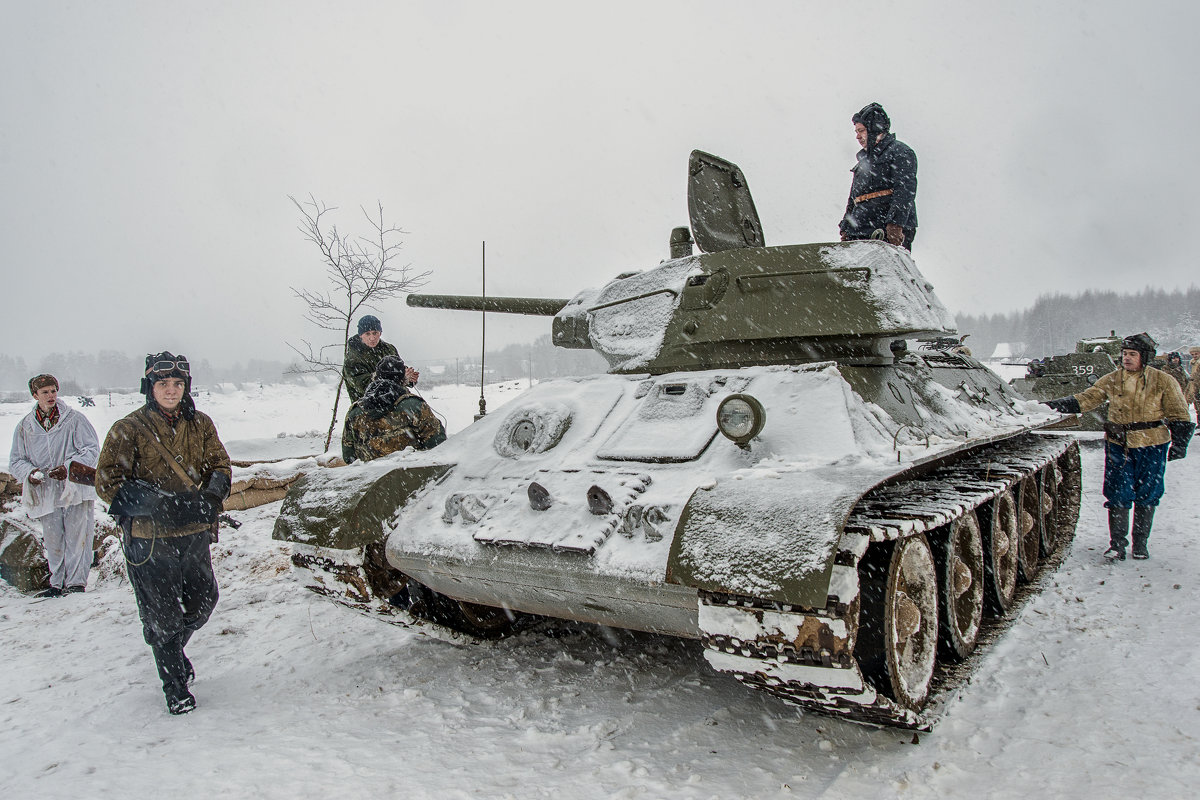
883, 192
54, 452
1173, 366
1148, 425
1194, 384
389, 418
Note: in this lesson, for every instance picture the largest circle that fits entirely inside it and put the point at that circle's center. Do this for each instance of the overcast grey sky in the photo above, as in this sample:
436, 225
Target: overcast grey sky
147, 150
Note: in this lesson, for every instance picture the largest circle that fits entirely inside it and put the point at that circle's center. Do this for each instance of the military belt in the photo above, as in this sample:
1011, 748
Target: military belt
1117, 431
862, 198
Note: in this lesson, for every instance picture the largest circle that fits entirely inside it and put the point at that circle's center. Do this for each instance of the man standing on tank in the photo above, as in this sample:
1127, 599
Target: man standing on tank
1148, 425
883, 192
364, 351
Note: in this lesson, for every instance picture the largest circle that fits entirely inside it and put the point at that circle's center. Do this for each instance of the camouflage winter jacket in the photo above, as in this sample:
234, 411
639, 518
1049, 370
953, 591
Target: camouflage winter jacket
370, 434
1149, 395
359, 364
129, 452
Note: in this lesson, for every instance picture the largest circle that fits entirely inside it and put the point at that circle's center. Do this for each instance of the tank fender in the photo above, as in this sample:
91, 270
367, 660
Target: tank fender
347, 508
771, 536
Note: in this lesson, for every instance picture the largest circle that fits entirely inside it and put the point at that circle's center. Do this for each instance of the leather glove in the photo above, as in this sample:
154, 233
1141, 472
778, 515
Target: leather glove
895, 235
58, 473
33, 479
1065, 405
1181, 435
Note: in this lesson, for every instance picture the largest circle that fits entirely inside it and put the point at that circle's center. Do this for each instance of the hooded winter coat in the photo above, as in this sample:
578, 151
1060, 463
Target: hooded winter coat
888, 164
129, 452
71, 439
1149, 395
359, 364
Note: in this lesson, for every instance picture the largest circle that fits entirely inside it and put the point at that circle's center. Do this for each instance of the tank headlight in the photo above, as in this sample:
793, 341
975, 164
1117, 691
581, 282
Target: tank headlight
740, 418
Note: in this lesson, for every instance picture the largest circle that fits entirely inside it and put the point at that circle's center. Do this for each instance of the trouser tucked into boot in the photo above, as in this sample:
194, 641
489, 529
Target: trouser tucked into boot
1143, 519
176, 593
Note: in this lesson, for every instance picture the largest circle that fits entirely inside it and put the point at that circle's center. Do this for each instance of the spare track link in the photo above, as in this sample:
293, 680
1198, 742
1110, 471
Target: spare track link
822, 674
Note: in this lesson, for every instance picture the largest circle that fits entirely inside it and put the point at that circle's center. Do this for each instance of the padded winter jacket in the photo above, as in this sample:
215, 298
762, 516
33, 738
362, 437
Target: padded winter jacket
889, 165
129, 452
1149, 395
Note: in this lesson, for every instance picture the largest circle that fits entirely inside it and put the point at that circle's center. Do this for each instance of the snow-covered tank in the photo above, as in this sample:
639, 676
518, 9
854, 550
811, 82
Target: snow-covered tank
767, 468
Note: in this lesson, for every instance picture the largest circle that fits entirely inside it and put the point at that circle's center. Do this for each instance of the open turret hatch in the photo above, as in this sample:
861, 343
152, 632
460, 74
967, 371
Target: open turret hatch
720, 207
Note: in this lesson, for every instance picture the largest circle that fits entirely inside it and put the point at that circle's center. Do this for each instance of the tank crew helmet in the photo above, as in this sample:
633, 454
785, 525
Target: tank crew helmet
874, 119
369, 322
390, 368
1142, 343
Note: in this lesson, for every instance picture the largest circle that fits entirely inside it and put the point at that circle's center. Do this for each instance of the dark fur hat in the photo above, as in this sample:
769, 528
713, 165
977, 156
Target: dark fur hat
38, 381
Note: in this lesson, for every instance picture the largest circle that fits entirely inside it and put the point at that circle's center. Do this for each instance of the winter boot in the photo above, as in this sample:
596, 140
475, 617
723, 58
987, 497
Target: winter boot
53, 591
1143, 518
179, 699
1118, 533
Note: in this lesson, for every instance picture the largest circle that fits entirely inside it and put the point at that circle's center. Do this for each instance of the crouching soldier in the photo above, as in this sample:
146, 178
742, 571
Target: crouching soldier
1148, 425
166, 475
389, 418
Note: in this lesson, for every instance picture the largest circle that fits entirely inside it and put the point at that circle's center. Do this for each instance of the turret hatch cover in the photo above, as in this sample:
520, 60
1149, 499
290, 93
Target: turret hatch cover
720, 207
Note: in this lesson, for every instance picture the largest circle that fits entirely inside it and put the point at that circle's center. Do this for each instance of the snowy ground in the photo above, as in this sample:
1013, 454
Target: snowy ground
1093, 692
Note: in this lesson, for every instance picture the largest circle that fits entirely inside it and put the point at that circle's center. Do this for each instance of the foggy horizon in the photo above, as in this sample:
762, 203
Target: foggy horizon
149, 150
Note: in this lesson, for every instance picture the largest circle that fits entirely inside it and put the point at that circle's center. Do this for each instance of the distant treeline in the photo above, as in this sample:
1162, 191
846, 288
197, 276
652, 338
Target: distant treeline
81, 373
90, 373
1055, 322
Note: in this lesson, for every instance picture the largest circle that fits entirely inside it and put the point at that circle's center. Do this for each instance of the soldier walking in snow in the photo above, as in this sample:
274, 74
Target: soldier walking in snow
1147, 426
883, 193
389, 418
54, 448
363, 354
166, 475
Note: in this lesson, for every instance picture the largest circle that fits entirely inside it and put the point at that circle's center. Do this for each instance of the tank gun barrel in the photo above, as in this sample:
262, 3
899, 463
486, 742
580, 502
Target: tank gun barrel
534, 306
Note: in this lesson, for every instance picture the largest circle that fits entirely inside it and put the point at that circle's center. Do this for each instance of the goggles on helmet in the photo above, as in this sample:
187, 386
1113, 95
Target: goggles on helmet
163, 368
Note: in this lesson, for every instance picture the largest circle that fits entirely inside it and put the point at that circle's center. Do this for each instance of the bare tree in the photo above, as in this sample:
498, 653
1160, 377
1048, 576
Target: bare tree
361, 271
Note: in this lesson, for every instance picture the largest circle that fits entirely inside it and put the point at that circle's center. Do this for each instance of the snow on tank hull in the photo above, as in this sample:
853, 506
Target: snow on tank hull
838, 556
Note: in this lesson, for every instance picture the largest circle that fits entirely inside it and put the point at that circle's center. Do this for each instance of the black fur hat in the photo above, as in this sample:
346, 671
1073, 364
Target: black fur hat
390, 368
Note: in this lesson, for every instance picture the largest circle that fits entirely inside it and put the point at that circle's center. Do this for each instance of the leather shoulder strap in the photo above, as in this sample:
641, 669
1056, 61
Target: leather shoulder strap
172, 459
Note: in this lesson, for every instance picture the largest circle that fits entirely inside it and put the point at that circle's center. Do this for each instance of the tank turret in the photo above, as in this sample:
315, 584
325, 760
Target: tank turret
740, 303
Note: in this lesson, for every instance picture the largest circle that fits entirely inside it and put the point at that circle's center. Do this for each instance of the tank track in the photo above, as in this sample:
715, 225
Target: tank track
806, 655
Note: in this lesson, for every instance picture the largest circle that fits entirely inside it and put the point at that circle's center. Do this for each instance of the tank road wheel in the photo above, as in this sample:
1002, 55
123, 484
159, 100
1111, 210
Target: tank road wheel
958, 553
898, 628
1048, 482
484, 622
1029, 527
998, 524
1070, 486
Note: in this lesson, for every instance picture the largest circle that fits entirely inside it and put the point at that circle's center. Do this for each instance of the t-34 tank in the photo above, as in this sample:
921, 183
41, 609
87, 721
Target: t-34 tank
766, 468
1071, 373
